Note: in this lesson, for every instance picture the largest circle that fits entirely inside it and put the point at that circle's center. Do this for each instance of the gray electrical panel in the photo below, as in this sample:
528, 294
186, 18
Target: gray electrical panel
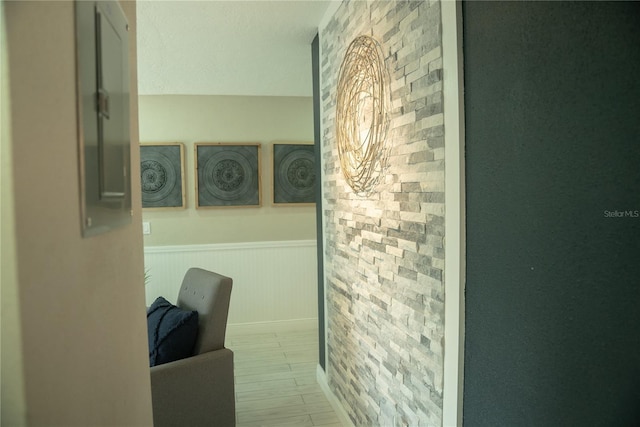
103, 115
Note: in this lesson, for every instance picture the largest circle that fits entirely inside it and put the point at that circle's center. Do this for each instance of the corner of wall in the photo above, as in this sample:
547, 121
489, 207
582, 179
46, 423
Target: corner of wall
454, 273
341, 413
13, 405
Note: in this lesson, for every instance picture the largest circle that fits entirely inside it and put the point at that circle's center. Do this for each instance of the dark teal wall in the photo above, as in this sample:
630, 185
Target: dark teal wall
553, 272
315, 65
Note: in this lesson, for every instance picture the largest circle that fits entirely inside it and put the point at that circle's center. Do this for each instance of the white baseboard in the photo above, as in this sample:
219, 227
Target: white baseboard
321, 376
279, 326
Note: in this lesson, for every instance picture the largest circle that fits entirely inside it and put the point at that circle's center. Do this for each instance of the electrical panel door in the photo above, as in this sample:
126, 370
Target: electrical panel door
103, 105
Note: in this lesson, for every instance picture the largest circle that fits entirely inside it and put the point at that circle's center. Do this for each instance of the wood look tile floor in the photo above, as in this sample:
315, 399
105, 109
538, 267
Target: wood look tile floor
275, 380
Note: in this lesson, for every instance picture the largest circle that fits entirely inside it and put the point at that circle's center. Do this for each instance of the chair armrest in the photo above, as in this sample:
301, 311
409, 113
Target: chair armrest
196, 391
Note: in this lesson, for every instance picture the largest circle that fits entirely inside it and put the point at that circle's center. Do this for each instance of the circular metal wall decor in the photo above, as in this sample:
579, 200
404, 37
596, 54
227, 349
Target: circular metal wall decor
294, 174
158, 178
299, 174
362, 117
227, 174
227, 178
161, 179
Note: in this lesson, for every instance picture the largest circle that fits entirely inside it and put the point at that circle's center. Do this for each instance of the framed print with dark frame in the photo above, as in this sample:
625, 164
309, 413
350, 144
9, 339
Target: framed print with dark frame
162, 175
228, 175
294, 174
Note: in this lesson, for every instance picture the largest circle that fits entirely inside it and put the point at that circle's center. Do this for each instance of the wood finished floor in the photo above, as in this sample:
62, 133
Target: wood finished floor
275, 380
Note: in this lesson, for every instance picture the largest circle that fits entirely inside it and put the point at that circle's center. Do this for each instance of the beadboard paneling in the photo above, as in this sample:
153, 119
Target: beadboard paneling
272, 281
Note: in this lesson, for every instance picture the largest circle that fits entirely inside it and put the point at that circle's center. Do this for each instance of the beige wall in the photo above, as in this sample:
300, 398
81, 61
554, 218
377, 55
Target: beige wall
12, 406
81, 301
190, 119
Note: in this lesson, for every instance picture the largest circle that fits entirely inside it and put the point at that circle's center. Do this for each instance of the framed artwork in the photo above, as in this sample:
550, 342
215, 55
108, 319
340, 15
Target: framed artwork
162, 175
228, 175
294, 174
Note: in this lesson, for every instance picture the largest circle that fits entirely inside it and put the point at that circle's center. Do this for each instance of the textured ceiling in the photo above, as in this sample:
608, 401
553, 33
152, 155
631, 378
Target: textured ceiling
237, 47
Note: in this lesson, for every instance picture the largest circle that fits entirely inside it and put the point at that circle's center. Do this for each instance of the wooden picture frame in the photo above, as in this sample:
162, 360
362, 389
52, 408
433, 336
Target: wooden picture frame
228, 175
294, 174
162, 175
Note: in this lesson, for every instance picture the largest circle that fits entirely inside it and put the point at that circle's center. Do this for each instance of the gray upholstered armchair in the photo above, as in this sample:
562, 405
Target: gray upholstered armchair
199, 390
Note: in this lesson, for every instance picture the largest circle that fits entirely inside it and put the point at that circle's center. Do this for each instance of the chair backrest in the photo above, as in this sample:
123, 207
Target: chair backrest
209, 294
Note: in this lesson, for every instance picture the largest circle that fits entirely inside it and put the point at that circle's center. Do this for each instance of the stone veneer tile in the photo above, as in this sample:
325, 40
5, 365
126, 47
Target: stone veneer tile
384, 254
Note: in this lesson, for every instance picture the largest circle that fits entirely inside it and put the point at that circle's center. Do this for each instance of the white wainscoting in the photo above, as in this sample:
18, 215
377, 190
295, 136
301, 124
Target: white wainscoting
272, 281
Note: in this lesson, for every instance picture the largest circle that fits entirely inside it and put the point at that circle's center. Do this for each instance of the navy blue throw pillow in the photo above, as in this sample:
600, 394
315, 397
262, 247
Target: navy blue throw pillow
172, 332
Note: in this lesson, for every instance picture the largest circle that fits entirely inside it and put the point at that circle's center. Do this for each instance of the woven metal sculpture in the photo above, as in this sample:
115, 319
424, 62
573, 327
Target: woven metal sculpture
362, 118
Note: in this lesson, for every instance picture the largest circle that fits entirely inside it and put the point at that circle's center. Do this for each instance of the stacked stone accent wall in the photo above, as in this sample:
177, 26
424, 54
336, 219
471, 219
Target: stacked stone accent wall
384, 254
